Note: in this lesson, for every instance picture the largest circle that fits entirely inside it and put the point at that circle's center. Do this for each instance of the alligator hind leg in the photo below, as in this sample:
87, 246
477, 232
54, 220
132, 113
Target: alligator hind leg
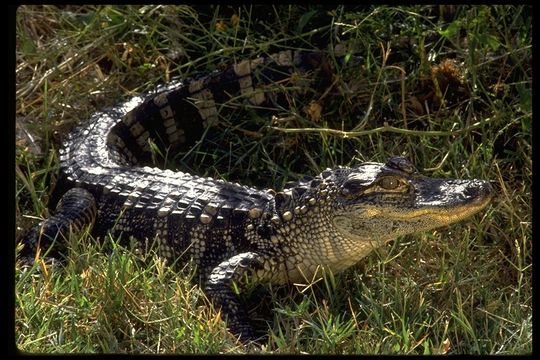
75, 210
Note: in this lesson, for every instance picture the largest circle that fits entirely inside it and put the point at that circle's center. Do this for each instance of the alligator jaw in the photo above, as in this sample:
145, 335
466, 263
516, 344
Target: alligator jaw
443, 216
446, 202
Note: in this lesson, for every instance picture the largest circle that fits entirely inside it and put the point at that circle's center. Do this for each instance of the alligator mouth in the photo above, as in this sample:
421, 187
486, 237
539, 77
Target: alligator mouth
443, 215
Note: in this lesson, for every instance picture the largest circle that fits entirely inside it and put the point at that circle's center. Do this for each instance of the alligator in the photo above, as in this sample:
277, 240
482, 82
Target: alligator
231, 231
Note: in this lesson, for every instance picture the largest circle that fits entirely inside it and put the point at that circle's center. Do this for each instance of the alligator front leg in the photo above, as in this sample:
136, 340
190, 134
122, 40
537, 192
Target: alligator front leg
75, 210
219, 290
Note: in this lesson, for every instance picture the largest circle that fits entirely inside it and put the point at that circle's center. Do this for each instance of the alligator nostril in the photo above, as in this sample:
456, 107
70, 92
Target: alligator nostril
481, 188
477, 188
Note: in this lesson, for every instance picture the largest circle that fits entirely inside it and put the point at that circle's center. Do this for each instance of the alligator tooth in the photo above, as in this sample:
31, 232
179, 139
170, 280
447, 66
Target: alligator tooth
275, 220
312, 201
250, 227
254, 213
297, 210
304, 209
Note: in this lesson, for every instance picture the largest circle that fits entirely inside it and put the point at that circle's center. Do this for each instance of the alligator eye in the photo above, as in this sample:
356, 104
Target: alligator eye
389, 183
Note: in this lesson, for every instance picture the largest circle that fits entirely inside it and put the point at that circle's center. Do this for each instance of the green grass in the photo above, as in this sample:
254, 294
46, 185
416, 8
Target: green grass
465, 289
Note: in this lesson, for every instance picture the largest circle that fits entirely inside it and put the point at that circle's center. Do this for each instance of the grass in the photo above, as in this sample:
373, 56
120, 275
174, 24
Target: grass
447, 86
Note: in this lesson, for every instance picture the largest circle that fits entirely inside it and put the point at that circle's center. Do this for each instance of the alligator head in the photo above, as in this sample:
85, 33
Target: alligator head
378, 202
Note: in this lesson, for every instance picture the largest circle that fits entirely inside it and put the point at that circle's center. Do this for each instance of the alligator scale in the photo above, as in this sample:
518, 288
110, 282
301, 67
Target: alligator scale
229, 230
